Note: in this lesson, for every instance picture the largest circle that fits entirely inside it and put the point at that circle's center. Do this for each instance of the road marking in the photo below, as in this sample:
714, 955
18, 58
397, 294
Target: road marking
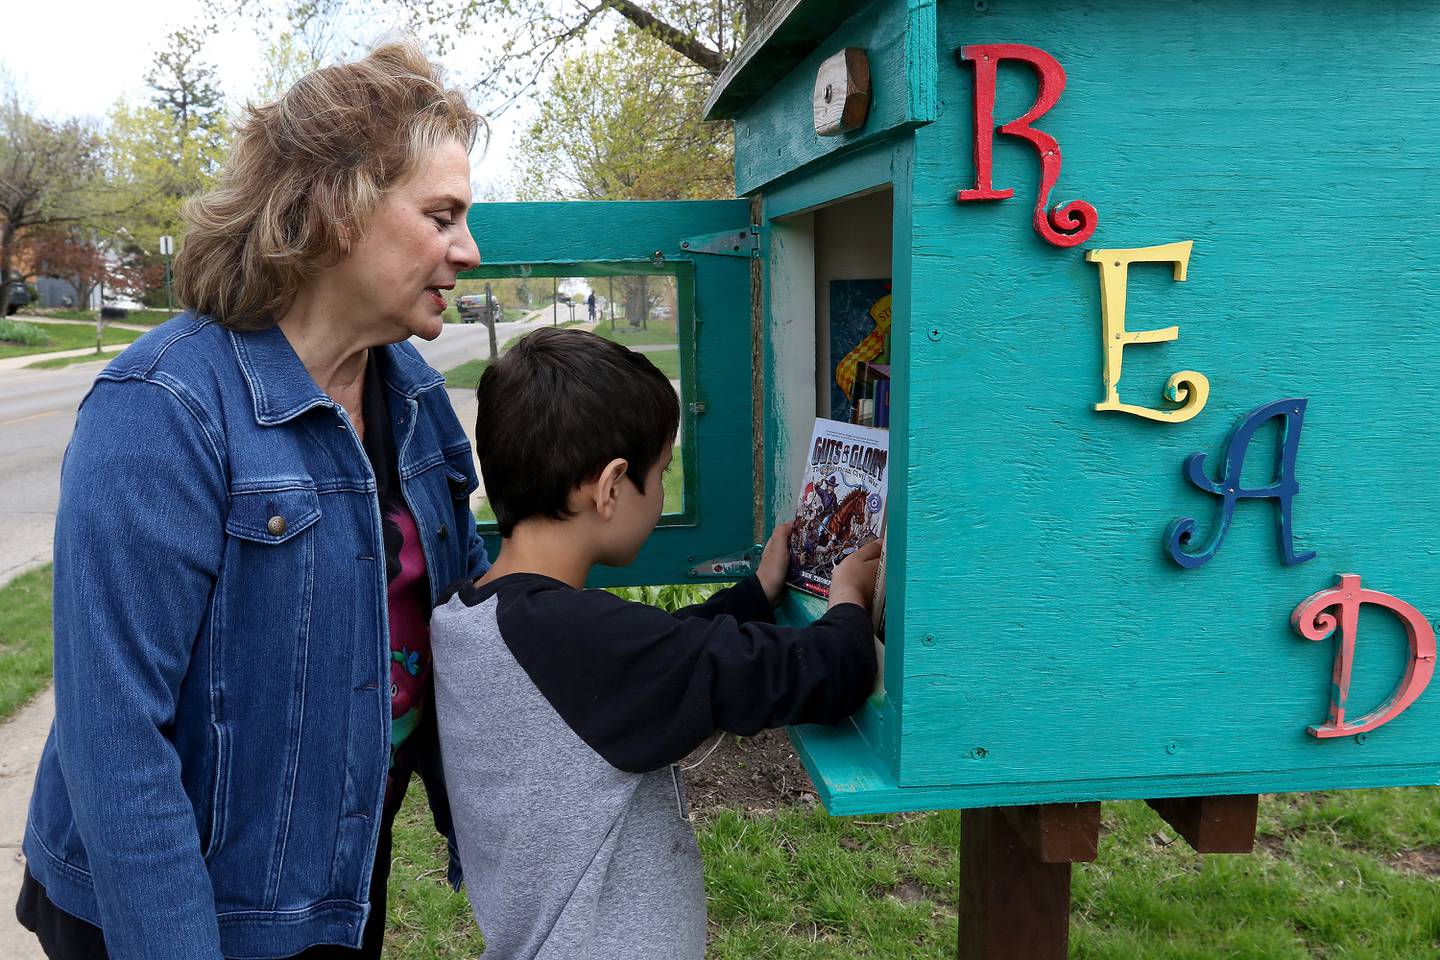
33, 416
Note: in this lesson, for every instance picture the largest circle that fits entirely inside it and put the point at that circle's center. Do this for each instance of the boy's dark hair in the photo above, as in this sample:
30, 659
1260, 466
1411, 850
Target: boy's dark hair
559, 406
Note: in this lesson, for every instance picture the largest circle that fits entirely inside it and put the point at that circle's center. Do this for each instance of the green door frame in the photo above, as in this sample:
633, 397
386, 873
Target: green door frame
580, 238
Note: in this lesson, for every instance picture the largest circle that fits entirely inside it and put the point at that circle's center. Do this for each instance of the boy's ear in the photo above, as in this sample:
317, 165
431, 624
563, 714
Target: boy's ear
604, 490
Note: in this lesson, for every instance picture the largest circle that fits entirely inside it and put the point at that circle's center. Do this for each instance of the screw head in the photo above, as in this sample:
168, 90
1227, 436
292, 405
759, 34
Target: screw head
928, 640
934, 333
1172, 747
1361, 737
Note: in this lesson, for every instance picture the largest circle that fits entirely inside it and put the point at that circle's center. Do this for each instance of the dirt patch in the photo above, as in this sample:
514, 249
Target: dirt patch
1425, 861
755, 774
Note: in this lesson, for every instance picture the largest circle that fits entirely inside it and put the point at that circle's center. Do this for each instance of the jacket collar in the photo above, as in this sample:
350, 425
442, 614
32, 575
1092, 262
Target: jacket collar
282, 389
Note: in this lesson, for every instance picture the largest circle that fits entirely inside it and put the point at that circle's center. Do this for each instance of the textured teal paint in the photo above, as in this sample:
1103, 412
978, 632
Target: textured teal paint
866, 168
776, 135
906, 575
850, 780
1067, 646
588, 237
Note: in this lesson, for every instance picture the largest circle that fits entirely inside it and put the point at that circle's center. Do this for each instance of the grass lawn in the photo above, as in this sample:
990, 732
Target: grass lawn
467, 375
656, 334
65, 336
25, 639
1331, 878
667, 360
55, 363
146, 318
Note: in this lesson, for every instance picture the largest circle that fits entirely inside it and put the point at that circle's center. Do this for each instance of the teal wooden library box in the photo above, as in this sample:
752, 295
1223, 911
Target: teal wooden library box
1163, 516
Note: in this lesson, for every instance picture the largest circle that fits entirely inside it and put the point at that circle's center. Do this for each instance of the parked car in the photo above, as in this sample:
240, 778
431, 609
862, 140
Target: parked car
19, 295
471, 308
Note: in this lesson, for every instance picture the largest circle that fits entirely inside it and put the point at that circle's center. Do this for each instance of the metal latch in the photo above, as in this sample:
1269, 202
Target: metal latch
744, 242
731, 566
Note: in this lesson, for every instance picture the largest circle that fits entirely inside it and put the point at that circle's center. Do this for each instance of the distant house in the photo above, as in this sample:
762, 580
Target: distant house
55, 292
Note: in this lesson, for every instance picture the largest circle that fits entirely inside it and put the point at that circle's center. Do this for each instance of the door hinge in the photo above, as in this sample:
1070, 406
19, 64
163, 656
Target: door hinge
727, 243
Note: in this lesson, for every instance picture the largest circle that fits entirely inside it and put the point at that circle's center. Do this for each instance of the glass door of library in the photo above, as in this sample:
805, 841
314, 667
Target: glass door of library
670, 279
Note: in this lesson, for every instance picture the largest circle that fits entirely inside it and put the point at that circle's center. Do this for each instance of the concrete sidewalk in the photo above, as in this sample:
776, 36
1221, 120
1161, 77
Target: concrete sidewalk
19, 363
23, 740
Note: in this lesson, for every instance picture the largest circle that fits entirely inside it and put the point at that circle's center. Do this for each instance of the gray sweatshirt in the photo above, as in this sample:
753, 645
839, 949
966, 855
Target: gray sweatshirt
561, 714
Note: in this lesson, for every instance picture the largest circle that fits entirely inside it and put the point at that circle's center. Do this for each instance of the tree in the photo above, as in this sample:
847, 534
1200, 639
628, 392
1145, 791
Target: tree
182, 84
705, 33
623, 123
148, 186
161, 153
287, 59
531, 34
48, 177
70, 254
151, 183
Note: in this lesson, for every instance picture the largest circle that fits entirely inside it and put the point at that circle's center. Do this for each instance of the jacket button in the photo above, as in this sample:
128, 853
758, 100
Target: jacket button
444, 532
276, 526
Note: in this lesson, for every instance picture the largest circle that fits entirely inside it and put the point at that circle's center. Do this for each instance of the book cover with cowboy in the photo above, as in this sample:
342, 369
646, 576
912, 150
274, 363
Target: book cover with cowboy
841, 505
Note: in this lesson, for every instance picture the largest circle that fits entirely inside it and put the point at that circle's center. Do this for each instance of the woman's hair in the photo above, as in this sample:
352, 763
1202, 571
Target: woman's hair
306, 171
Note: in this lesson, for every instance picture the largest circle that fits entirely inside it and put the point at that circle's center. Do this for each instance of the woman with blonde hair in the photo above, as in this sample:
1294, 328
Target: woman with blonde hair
260, 501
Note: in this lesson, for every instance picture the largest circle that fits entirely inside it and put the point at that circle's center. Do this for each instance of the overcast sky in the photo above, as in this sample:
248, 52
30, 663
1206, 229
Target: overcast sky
77, 58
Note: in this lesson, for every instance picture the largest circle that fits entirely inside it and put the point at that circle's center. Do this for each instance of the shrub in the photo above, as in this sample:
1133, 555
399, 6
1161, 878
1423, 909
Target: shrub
25, 334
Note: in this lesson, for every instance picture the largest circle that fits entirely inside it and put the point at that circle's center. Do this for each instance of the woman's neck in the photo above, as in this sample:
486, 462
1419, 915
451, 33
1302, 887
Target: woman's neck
327, 344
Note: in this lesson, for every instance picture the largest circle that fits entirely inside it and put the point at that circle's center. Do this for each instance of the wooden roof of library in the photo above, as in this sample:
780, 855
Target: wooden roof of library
787, 35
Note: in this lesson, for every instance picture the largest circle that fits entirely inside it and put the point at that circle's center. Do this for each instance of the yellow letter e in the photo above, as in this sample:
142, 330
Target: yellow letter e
1187, 387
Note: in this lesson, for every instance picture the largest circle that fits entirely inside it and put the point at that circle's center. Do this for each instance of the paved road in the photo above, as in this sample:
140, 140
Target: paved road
37, 415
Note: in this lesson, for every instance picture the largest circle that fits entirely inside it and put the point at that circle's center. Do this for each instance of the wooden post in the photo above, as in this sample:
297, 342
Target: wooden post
1212, 824
1015, 878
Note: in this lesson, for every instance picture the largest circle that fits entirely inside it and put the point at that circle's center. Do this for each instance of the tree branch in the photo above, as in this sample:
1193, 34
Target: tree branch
673, 37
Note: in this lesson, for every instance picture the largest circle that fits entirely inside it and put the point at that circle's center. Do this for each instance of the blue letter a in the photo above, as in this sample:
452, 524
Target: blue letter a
1229, 487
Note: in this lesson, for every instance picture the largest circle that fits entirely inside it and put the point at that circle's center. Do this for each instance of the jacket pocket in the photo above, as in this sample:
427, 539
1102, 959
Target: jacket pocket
460, 472
272, 516
219, 792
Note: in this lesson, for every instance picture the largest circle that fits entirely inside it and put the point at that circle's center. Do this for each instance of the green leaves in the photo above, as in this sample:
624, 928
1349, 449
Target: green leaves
624, 123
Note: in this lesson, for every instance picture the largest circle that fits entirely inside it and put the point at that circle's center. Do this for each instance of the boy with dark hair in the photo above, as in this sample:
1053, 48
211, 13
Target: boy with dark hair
562, 711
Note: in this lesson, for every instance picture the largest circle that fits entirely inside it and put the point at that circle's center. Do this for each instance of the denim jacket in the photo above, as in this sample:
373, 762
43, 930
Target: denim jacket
213, 781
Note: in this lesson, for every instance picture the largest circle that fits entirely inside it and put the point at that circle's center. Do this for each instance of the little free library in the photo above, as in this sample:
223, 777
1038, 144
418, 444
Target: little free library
1148, 290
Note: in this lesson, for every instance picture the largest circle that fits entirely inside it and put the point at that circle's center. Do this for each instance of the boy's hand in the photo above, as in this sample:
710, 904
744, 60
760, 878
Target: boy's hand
775, 562
854, 578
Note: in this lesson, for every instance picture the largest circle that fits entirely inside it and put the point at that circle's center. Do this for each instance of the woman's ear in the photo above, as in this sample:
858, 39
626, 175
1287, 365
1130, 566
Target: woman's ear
605, 494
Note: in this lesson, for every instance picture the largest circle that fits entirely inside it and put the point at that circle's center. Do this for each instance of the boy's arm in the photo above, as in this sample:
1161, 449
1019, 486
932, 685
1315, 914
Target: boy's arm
644, 688
753, 598
745, 601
